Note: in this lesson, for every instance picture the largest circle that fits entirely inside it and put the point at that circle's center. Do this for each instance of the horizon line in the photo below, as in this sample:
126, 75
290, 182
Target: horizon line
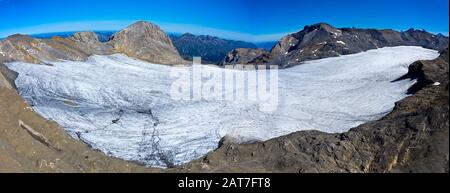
174, 28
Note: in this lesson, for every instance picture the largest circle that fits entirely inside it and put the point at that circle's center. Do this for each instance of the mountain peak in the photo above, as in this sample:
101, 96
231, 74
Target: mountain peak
146, 41
321, 25
142, 25
87, 37
187, 35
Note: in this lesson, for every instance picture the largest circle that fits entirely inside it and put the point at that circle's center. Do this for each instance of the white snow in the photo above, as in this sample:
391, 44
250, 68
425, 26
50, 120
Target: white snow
436, 84
330, 95
340, 42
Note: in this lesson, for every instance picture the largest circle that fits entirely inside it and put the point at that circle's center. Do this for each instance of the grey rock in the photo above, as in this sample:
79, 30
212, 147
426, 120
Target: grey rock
246, 56
85, 37
428, 72
89, 43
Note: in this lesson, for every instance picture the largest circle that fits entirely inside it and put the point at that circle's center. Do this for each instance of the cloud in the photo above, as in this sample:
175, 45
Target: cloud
120, 24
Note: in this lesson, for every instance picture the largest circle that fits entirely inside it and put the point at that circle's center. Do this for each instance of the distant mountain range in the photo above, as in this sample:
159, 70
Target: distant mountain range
211, 49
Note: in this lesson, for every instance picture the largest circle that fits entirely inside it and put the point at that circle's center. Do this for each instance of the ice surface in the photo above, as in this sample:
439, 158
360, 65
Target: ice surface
123, 107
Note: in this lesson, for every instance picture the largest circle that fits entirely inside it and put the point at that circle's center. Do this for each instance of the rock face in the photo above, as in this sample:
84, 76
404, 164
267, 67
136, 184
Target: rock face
141, 40
245, 56
211, 49
146, 41
412, 138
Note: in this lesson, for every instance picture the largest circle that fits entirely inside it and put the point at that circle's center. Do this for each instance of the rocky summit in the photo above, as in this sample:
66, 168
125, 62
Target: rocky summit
146, 41
141, 40
323, 40
246, 56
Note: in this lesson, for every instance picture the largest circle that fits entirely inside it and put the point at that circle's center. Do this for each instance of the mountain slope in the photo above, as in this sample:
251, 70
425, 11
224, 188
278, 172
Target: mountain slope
211, 49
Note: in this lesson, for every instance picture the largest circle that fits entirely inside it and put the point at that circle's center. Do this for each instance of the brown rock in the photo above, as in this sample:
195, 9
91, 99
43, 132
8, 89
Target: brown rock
148, 42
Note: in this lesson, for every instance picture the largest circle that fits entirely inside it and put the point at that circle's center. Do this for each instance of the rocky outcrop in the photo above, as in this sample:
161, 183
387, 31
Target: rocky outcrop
7, 77
323, 40
245, 56
90, 43
141, 40
211, 49
146, 41
428, 72
33, 50
412, 138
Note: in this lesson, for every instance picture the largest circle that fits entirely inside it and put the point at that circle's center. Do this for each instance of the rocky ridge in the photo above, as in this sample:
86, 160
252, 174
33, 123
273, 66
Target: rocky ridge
323, 40
141, 40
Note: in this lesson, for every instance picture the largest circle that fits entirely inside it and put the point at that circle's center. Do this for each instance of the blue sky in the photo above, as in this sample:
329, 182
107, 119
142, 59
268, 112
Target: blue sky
250, 20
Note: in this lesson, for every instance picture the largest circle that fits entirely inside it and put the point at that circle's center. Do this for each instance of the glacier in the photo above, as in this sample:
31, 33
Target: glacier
122, 106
